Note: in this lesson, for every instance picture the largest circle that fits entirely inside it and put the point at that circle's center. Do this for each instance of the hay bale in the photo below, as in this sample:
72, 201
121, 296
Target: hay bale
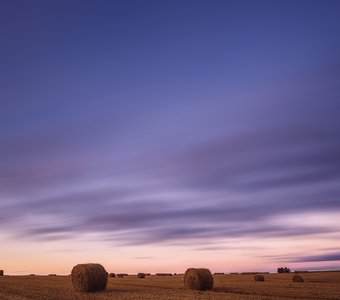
112, 275
198, 279
1, 272
259, 277
141, 275
297, 278
52, 274
120, 275
218, 273
89, 278
163, 274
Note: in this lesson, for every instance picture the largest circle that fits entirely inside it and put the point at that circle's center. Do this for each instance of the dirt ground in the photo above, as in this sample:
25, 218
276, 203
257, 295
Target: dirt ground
320, 285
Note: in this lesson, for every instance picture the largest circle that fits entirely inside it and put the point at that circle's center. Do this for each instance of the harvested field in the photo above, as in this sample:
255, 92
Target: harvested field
320, 285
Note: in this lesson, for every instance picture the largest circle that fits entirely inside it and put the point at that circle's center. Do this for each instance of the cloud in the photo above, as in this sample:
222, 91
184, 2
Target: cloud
227, 188
154, 225
264, 160
320, 268
211, 185
322, 257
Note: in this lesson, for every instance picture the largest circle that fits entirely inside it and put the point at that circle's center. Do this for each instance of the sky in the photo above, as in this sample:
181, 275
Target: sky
153, 136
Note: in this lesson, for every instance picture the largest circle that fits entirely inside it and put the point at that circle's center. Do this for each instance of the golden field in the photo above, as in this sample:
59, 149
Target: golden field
318, 285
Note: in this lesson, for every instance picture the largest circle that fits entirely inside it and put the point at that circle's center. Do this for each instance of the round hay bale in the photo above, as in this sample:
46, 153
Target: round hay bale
297, 278
259, 277
198, 279
141, 275
89, 278
1, 272
112, 275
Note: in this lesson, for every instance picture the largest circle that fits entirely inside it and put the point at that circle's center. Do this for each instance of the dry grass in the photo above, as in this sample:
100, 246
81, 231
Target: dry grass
321, 285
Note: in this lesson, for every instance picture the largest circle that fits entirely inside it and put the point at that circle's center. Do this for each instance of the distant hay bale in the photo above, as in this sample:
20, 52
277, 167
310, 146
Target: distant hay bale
218, 273
163, 274
120, 275
141, 275
297, 278
112, 275
52, 274
259, 277
1, 272
198, 279
89, 278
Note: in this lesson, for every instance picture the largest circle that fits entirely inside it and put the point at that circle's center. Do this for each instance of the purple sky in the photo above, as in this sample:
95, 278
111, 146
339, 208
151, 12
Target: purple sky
188, 125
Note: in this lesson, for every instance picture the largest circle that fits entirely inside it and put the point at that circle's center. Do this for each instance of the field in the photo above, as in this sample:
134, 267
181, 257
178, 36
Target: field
319, 285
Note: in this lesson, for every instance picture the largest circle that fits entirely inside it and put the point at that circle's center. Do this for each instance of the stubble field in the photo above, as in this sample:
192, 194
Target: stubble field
320, 285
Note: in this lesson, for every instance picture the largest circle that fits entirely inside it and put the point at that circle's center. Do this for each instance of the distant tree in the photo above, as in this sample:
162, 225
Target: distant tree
283, 270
